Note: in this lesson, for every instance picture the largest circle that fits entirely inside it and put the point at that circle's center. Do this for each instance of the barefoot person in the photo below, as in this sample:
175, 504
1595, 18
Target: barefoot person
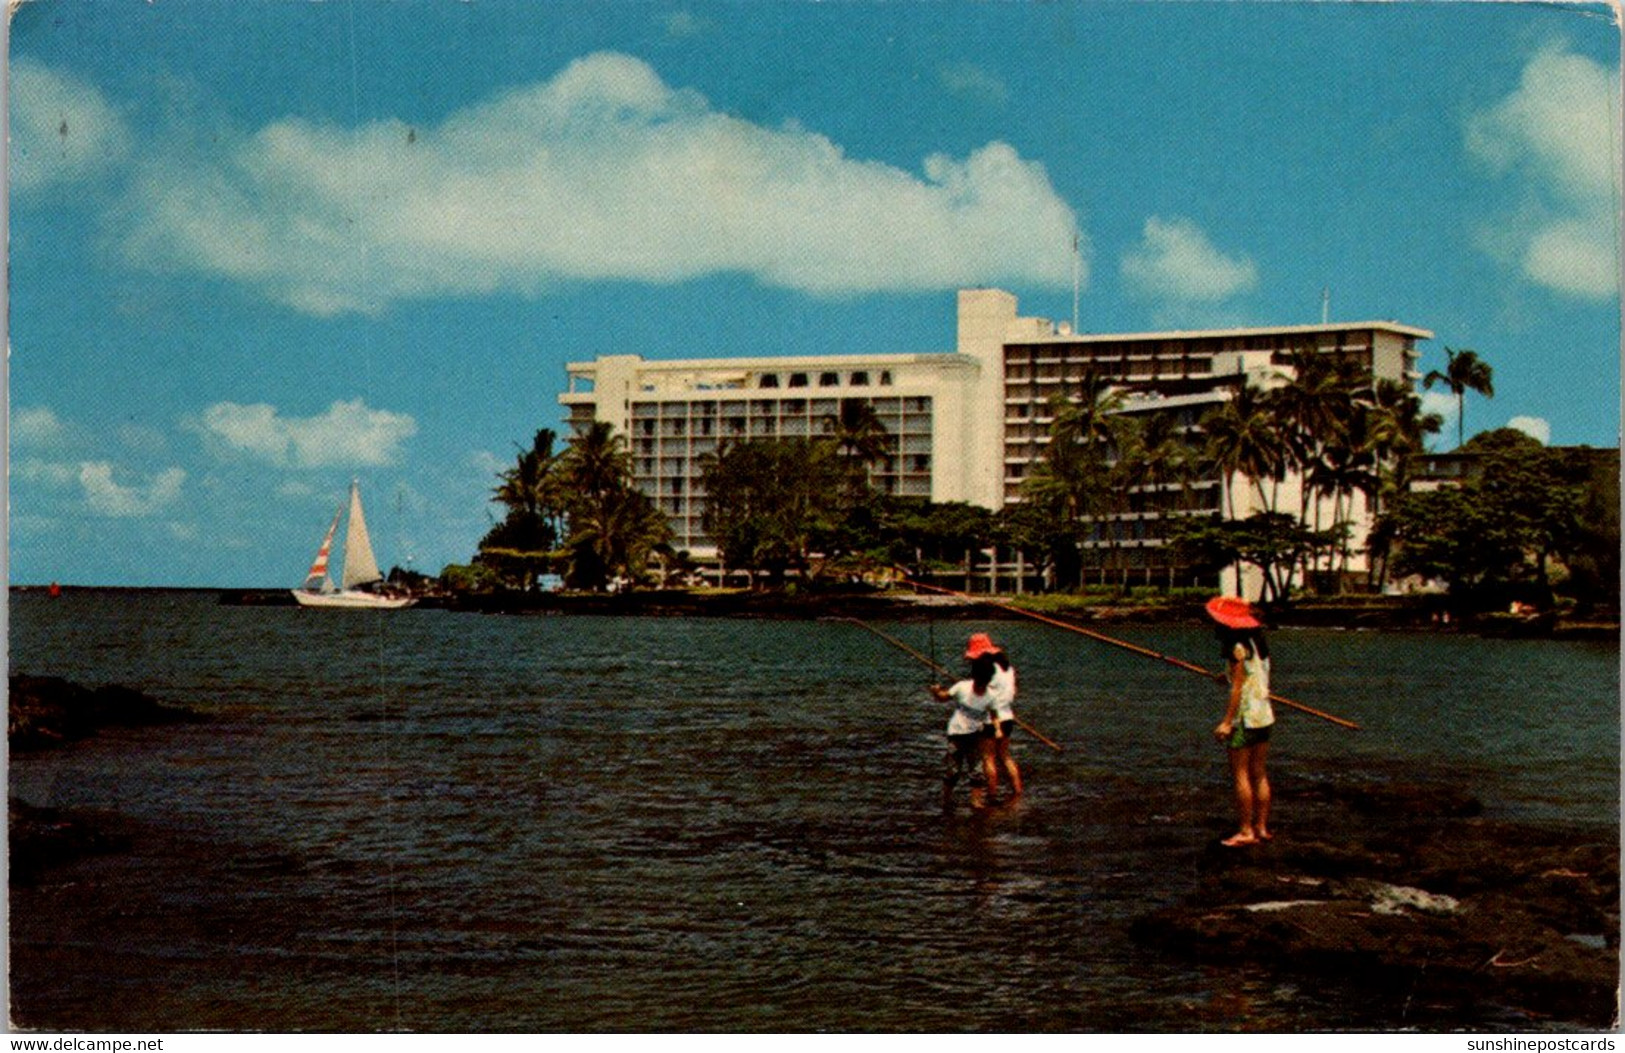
981, 651
971, 700
1245, 729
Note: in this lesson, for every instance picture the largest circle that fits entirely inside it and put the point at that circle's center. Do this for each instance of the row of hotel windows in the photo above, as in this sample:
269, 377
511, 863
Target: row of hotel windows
766, 418
817, 407
676, 469
1353, 340
1020, 380
857, 378
770, 427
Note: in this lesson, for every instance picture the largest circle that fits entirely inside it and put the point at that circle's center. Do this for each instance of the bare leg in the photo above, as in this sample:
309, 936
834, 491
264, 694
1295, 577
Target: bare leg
990, 770
1261, 791
1239, 763
1009, 764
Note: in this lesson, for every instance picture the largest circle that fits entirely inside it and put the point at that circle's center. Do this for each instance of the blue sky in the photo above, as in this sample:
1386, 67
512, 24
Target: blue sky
259, 248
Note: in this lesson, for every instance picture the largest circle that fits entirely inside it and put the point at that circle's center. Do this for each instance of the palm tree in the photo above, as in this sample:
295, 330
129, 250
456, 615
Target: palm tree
613, 526
530, 489
860, 439
1464, 371
1084, 465
1242, 439
858, 432
521, 545
1159, 457
596, 461
1395, 431
615, 533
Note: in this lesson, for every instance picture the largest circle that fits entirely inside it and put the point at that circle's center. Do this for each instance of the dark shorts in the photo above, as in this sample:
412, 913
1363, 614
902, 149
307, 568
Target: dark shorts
1241, 738
964, 757
1005, 727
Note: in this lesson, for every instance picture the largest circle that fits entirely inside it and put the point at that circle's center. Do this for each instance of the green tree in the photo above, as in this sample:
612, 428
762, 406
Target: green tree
613, 527
520, 547
612, 535
1083, 476
767, 500
1047, 538
1593, 556
1499, 531
1464, 371
1395, 431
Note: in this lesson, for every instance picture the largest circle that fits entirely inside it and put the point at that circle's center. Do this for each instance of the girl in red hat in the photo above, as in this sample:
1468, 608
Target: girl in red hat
1248, 716
984, 654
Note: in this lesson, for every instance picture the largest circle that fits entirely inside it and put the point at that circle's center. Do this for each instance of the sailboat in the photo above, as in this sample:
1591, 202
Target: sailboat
360, 568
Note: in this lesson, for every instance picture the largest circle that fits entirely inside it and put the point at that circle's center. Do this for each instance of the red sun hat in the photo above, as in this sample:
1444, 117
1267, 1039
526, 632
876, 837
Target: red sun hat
980, 644
1233, 612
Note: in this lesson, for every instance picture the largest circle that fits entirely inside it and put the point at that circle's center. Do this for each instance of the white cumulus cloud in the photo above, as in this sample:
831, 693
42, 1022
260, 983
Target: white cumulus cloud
1535, 427
602, 172
1559, 130
105, 496
62, 128
347, 434
54, 474
1175, 262
1444, 404
37, 426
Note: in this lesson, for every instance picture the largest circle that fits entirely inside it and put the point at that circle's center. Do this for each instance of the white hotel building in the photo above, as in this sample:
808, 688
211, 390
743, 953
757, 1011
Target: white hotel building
966, 425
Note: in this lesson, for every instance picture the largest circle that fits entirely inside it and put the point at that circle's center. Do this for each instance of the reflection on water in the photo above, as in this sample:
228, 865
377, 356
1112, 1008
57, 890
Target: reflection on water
552, 823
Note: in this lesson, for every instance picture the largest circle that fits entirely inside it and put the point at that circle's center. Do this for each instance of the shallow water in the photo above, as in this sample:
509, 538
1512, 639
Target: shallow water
560, 823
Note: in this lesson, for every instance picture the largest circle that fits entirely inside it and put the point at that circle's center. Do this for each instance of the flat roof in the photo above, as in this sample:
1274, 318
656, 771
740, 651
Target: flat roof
1200, 334
779, 363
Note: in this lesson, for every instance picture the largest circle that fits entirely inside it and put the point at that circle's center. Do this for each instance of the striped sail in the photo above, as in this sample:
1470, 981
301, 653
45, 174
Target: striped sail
318, 569
360, 566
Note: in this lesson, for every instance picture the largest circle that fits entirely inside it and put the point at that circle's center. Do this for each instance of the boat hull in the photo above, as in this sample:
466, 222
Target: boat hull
352, 600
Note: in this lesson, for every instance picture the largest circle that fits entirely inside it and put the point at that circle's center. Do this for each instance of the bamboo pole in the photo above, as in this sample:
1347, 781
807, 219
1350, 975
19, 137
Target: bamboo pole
906, 649
1125, 645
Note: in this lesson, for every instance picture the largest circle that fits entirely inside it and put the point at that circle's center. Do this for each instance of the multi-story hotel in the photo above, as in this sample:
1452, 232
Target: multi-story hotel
966, 425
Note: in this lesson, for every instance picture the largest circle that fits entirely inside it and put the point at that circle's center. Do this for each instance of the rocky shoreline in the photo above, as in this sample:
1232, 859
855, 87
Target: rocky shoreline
1426, 903
46, 711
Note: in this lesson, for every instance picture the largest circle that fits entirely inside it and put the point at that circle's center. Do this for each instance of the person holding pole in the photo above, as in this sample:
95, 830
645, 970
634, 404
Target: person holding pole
971, 700
1001, 718
1248, 717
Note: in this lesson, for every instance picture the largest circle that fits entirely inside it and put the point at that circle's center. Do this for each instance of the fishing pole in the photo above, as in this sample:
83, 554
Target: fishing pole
1146, 651
906, 649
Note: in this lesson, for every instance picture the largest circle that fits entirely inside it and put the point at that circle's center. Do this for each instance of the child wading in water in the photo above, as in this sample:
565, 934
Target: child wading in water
1248, 716
972, 700
1001, 719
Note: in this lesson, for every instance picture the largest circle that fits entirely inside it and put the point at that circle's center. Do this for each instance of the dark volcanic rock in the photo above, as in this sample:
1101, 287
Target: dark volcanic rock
41, 838
1426, 908
46, 711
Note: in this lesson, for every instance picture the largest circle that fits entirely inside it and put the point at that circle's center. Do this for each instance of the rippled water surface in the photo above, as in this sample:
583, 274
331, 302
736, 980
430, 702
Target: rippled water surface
556, 823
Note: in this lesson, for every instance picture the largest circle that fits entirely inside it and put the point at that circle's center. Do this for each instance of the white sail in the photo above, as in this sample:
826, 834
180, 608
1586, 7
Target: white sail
360, 566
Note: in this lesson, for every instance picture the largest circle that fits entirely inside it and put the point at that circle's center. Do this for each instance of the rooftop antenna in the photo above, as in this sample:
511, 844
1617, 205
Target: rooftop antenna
1074, 280
1325, 304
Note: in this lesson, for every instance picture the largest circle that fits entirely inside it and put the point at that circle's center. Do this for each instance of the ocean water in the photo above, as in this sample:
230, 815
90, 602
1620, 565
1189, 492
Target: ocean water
439, 821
